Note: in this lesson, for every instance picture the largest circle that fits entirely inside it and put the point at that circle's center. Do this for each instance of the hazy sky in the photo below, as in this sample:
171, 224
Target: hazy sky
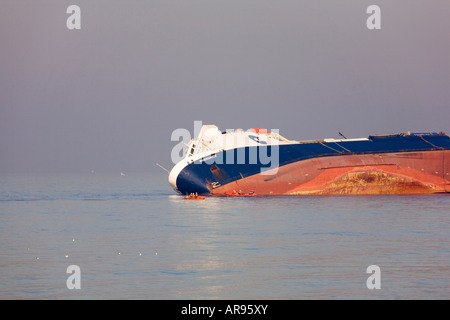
108, 96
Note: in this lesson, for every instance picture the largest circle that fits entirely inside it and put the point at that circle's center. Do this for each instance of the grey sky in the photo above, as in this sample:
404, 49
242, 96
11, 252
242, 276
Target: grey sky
107, 97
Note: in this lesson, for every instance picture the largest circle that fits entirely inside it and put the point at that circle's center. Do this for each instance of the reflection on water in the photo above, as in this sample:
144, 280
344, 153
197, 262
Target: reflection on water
134, 239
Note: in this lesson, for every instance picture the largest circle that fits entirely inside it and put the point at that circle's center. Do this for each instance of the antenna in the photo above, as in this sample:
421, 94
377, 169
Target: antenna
342, 135
162, 167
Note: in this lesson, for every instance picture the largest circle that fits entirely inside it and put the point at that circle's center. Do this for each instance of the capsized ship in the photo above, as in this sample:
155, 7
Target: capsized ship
259, 162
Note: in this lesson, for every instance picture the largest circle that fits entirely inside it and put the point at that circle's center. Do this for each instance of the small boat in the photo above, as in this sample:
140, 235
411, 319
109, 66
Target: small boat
194, 196
240, 194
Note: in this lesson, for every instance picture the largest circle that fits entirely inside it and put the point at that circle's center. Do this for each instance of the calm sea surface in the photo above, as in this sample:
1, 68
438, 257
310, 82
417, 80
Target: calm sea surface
133, 238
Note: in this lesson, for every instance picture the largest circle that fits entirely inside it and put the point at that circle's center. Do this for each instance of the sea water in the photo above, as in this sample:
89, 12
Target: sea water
133, 237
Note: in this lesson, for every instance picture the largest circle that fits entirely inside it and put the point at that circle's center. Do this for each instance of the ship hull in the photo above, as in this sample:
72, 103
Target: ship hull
394, 164
391, 173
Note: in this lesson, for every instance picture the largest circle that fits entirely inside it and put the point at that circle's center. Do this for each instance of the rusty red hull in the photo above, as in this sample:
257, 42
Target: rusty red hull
424, 172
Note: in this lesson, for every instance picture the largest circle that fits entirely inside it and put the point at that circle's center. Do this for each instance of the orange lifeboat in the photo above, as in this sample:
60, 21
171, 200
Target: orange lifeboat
259, 130
194, 196
240, 194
